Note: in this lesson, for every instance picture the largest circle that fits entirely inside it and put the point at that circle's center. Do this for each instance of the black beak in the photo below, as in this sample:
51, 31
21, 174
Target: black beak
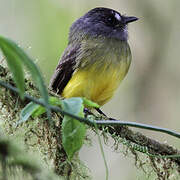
129, 19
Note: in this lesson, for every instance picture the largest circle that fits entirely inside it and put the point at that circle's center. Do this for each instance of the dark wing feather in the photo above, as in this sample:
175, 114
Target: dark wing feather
64, 69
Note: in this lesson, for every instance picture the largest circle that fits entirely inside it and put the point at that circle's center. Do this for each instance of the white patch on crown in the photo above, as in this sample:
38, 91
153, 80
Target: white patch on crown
117, 16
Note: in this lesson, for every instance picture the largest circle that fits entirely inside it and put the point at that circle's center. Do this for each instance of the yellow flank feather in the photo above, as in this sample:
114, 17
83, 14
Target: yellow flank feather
97, 84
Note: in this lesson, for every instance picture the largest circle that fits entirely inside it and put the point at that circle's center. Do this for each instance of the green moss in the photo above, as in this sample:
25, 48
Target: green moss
35, 135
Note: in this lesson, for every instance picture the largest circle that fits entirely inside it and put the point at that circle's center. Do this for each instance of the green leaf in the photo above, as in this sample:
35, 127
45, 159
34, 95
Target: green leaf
73, 131
73, 105
90, 103
27, 111
14, 64
55, 101
41, 110
17, 53
36, 110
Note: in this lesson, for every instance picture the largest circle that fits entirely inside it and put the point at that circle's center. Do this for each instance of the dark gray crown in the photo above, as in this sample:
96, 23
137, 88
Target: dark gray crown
103, 22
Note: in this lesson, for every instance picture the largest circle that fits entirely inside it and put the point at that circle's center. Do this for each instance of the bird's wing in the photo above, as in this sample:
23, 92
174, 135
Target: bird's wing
64, 69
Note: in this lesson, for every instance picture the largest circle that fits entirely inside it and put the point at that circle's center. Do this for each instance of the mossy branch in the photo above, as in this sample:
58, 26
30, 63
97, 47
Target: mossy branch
135, 141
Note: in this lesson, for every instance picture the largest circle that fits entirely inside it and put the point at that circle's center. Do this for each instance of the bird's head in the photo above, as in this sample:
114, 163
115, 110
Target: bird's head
103, 22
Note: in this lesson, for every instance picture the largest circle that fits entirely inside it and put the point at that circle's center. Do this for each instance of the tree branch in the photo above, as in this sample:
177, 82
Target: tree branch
118, 128
110, 122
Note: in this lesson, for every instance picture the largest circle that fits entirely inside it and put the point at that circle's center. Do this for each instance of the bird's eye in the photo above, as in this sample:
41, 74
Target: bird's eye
112, 21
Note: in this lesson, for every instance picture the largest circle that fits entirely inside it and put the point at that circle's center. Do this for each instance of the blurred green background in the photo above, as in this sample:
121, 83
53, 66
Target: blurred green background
150, 92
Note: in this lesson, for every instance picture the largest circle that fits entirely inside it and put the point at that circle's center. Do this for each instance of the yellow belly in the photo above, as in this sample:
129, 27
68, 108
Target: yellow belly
95, 84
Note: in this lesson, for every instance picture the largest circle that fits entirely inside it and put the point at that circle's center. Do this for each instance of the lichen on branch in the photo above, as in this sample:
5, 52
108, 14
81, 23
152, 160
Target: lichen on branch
159, 159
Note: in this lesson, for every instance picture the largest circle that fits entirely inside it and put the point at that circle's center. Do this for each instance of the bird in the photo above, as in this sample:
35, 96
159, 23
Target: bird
97, 57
